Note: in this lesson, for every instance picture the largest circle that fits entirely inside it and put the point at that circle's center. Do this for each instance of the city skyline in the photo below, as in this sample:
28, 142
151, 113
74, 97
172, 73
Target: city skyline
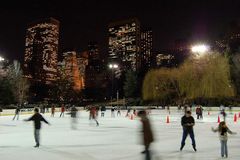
82, 22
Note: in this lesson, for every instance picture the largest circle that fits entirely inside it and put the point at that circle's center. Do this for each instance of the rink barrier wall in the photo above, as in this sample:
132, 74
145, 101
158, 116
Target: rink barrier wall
7, 112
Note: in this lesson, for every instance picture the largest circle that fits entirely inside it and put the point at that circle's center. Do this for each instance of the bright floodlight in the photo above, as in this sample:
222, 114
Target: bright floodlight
110, 66
200, 48
115, 66
1, 59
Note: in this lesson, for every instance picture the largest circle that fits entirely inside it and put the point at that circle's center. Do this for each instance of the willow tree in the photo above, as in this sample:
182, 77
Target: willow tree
206, 77
161, 85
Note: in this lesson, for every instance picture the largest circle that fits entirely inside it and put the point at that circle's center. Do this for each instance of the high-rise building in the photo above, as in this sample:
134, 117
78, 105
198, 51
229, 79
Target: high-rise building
124, 43
82, 64
147, 48
71, 69
41, 50
93, 51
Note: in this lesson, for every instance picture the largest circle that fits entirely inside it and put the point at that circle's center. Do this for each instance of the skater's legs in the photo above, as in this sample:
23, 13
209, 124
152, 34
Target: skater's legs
14, 117
184, 136
224, 149
193, 138
147, 152
37, 136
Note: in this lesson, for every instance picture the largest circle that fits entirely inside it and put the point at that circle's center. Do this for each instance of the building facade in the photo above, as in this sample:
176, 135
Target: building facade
82, 59
71, 69
124, 43
147, 48
41, 50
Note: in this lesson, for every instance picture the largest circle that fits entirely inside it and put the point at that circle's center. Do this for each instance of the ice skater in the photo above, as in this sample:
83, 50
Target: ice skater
93, 115
37, 118
113, 112
103, 109
52, 111
119, 111
62, 111
223, 130
147, 133
128, 112
199, 112
187, 124
74, 116
17, 112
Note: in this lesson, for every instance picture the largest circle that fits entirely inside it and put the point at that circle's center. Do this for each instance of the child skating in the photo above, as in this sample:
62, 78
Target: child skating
223, 130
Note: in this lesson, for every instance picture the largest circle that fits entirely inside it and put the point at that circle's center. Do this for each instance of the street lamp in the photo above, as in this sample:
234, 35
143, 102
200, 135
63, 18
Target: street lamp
113, 66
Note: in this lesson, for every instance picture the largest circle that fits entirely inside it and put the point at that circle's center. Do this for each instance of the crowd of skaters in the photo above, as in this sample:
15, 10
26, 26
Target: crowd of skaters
187, 122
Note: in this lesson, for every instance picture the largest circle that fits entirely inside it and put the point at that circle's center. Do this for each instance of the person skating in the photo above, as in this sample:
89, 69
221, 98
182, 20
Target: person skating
223, 130
103, 109
93, 114
128, 112
119, 111
62, 111
74, 112
199, 112
52, 111
112, 111
187, 124
147, 133
17, 112
37, 118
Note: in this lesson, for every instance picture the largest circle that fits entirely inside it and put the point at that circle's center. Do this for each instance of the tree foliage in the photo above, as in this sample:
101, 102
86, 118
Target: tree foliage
130, 84
206, 77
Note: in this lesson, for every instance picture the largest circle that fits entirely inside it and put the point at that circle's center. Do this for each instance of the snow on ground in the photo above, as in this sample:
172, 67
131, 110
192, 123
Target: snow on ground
116, 138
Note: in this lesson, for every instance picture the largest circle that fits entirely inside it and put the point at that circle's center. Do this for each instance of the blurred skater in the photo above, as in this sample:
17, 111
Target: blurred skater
17, 112
74, 112
62, 110
147, 133
187, 124
93, 115
199, 112
52, 111
113, 111
128, 112
37, 118
119, 111
103, 110
223, 130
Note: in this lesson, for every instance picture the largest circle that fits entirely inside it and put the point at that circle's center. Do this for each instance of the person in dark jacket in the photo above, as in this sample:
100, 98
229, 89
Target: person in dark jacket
187, 123
37, 118
147, 133
74, 116
17, 111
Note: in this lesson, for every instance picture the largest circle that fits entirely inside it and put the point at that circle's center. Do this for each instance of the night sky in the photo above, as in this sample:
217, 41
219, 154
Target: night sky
82, 21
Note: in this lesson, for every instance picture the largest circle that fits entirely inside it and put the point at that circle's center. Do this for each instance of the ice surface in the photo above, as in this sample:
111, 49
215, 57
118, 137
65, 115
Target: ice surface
116, 138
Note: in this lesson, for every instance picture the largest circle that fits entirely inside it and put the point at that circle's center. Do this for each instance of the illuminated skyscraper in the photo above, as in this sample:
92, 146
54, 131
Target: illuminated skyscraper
41, 50
124, 43
72, 70
146, 48
82, 64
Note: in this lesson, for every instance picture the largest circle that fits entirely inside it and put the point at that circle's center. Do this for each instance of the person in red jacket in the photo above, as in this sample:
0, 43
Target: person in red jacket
93, 111
62, 111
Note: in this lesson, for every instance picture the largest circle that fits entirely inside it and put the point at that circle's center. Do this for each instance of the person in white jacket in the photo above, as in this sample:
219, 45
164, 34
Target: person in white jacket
223, 131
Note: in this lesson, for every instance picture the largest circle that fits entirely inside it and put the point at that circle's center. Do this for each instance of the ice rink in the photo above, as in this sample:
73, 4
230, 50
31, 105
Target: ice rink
116, 138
